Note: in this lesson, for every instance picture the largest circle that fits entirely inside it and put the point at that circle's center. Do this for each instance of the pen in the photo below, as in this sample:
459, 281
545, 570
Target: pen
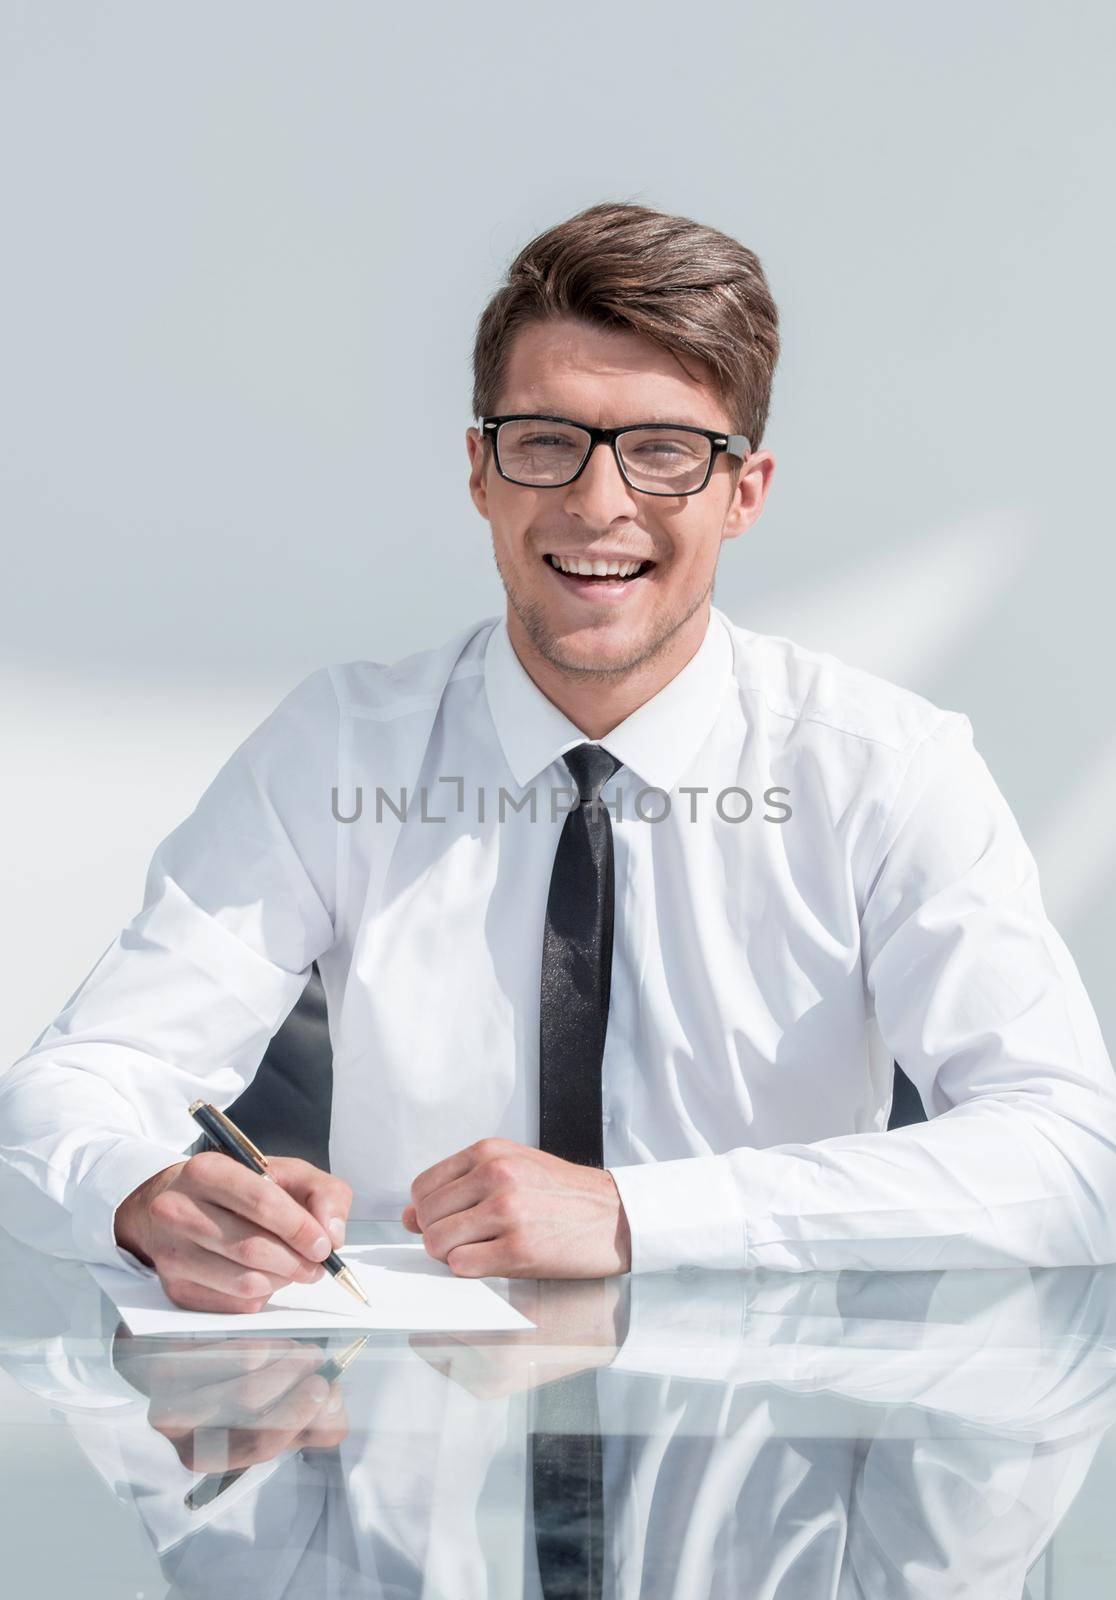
212, 1484
229, 1139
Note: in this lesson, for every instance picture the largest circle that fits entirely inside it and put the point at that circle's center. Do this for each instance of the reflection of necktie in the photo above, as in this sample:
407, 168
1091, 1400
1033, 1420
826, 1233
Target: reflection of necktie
567, 1494
566, 1486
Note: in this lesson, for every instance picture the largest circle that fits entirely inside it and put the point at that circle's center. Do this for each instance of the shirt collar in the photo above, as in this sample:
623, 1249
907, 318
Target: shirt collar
657, 741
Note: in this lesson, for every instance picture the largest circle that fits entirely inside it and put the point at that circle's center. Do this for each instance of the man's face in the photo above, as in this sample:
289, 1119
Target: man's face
608, 378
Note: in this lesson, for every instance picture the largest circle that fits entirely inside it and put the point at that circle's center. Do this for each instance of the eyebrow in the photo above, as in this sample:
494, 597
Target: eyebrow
660, 419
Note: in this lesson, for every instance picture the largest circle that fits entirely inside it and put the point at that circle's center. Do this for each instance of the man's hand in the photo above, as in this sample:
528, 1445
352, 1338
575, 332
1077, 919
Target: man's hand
234, 1402
584, 1315
223, 1238
505, 1210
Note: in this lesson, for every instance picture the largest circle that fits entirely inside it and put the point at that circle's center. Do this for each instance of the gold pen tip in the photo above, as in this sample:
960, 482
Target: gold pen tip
350, 1282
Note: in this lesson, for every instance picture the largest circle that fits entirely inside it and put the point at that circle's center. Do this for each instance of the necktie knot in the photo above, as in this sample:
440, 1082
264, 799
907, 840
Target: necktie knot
591, 766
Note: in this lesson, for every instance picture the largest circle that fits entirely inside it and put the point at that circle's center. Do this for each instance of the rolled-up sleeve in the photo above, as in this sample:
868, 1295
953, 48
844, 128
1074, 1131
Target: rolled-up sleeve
239, 901
977, 997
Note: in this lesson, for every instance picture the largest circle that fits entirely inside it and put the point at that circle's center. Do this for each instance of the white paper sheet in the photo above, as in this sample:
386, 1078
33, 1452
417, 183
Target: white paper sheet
407, 1290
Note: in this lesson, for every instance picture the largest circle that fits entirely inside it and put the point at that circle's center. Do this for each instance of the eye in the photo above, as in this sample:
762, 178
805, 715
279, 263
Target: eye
545, 441
662, 447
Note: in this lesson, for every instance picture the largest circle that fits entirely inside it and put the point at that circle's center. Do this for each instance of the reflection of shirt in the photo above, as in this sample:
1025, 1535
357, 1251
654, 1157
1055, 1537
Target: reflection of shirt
769, 1437
838, 882
765, 1434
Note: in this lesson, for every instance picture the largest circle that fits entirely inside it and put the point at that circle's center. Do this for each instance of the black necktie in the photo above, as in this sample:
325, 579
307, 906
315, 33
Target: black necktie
577, 969
566, 1483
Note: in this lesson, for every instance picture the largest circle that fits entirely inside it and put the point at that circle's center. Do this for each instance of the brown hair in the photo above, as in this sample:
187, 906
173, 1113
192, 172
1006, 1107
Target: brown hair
690, 288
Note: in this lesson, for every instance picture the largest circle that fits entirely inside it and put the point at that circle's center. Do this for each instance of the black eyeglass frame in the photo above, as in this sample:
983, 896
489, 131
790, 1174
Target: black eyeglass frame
734, 444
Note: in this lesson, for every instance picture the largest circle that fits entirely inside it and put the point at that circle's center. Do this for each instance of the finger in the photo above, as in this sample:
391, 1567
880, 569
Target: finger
275, 1432
230, 1403
227, 1233
198, 1265
455, 1166
218, 1361
325, 1196
224, 1182
244, 1399
483, 1259
219, 1449
229, 1362
265, 1388
329, 1427
481, 1222
459, 1195
214, 1358
196, 1297
409, 1220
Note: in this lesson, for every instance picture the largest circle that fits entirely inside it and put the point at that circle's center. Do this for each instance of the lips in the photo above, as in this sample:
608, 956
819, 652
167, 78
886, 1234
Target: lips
602, 590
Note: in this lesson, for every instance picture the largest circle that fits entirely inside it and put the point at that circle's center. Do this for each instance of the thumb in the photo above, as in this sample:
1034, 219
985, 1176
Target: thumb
327, 1198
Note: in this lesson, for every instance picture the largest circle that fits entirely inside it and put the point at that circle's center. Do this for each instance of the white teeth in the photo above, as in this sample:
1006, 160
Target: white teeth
596, 569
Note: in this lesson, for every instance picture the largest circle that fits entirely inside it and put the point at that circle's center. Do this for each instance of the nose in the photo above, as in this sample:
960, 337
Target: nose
601, 494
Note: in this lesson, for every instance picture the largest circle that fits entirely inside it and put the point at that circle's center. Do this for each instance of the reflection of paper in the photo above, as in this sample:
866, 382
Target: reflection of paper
407, 1289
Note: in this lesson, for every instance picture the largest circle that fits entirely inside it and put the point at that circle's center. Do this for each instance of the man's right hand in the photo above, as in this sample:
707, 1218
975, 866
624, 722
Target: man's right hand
222, 1238
231, 1403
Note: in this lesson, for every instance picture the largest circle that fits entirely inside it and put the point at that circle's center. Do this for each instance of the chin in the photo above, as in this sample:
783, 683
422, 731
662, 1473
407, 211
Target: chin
600, 649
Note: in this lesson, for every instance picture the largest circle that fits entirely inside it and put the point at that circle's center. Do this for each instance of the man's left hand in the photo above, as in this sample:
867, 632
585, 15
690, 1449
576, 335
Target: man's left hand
505, 1210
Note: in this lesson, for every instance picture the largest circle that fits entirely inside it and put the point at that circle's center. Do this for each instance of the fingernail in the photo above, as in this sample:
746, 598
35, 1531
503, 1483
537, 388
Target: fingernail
317, 1389
322, 1247
334, 1403
337, 1228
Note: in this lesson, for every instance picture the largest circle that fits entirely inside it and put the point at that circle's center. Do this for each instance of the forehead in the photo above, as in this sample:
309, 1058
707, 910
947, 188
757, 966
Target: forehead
606, 376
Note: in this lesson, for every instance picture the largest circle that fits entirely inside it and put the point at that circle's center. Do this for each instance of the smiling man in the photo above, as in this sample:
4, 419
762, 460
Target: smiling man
622, 910
599, 646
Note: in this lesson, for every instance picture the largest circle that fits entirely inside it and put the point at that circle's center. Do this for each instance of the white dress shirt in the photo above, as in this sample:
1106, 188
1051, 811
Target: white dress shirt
876, 901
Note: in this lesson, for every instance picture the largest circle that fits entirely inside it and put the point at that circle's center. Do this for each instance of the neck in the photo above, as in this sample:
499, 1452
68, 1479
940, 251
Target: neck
597, 704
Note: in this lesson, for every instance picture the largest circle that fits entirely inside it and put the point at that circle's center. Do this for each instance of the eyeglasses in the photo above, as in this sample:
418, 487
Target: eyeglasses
541, 452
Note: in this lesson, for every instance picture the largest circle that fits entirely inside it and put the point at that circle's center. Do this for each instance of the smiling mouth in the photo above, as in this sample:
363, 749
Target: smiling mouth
616, 572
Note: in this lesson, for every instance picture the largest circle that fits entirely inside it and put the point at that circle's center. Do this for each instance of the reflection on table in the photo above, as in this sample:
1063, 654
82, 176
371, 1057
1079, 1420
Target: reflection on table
736, 1435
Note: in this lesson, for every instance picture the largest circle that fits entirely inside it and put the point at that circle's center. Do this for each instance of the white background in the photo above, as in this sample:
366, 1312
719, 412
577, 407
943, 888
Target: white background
244, 250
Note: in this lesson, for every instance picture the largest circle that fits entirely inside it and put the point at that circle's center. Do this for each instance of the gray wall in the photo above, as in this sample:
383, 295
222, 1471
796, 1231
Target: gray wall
244, 250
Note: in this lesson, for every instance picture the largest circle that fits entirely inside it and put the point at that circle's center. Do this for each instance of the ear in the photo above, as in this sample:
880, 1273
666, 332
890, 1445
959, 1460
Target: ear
479, 454
750, 493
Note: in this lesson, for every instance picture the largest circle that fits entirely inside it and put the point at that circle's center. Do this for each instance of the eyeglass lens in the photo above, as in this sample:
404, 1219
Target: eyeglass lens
549, 453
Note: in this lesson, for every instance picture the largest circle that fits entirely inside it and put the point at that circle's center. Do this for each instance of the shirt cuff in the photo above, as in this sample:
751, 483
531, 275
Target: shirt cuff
683, 1213
686, 1323
107, 1184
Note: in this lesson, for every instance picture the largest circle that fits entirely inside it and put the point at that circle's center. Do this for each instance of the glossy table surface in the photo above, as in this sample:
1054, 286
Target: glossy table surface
684, 1435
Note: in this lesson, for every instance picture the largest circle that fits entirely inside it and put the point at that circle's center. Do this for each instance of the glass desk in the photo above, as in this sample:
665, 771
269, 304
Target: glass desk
685, 1435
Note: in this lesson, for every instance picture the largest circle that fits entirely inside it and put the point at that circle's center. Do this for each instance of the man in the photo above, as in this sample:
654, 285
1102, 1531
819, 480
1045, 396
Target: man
622, 911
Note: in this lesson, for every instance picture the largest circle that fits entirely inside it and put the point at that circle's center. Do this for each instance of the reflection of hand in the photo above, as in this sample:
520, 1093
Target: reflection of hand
233, 1402
578, 1314
223, 1238
500, 1209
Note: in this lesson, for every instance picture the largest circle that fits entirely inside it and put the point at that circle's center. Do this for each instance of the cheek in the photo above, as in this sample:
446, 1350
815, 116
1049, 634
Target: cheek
699, 548
511, 521
691, 550
507, 537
